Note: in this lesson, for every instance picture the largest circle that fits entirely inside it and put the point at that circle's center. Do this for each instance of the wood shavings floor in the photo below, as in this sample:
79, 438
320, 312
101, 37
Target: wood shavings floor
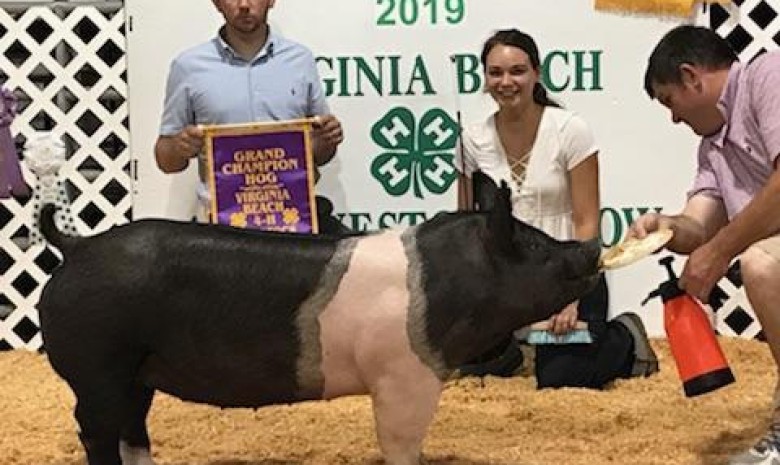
503, 422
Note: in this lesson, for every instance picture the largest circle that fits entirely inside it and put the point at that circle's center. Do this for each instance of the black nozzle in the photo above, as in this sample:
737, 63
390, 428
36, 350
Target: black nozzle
667, 262
668, 289
652, 295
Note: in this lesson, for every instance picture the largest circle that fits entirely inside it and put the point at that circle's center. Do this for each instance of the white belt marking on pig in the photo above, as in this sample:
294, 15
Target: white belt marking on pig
364, 327
309, 367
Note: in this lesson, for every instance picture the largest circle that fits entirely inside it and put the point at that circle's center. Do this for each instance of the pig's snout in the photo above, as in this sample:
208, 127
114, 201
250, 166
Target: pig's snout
582, 263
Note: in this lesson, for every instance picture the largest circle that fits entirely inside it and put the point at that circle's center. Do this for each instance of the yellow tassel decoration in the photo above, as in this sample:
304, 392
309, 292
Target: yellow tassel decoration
654, 7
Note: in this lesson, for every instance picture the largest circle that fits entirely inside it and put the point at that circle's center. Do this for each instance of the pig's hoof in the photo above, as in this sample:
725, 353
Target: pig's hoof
135, 455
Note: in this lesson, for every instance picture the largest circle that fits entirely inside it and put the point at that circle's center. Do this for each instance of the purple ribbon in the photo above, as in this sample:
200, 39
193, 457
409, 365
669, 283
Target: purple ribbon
11, 180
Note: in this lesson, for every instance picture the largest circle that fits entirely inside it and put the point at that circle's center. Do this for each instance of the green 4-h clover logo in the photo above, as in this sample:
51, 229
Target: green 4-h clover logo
416, 156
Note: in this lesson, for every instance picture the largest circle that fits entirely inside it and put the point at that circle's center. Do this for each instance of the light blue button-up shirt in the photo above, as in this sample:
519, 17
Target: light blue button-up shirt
211, 84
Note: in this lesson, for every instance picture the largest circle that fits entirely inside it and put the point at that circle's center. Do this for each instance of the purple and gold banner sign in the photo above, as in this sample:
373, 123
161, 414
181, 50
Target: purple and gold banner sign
261, 175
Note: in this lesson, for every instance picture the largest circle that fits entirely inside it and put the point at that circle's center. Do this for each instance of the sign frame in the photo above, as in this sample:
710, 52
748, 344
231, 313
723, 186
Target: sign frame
254, 138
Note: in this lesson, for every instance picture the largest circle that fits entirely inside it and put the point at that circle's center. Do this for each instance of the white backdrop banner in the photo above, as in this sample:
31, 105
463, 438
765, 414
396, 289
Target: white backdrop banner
399, 72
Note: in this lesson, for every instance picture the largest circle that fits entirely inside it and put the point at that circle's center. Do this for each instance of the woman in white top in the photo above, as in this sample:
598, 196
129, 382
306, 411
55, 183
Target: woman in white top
549, 158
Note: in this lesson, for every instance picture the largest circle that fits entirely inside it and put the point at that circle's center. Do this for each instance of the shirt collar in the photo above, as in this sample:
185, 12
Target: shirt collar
726, 103
226, 51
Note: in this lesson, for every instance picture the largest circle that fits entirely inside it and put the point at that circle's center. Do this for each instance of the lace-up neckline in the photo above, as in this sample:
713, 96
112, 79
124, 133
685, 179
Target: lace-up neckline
517, 152
518, 167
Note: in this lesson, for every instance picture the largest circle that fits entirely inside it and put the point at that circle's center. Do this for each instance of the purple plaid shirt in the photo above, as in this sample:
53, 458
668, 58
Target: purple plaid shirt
735, 163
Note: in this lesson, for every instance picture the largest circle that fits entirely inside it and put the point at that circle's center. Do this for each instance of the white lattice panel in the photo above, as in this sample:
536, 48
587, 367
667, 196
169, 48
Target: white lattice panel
735, 317
66, 65
752, 27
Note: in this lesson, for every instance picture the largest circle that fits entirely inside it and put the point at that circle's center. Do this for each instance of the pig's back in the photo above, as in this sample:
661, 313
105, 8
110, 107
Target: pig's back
212, 311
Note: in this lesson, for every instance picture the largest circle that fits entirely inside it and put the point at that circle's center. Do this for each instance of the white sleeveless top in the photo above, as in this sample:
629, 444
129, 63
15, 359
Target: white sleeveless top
544, 200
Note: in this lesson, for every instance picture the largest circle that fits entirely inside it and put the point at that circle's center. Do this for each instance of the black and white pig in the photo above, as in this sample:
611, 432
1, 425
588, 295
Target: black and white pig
239, 318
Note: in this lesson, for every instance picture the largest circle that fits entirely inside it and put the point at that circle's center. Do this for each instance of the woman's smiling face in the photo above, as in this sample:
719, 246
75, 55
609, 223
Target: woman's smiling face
510, 76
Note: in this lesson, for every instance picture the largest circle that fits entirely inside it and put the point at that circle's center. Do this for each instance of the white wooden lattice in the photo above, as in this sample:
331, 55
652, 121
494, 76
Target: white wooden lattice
66, 65
752, 27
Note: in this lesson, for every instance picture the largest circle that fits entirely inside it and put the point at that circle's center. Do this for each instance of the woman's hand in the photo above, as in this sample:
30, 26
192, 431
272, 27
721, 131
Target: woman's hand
565, 320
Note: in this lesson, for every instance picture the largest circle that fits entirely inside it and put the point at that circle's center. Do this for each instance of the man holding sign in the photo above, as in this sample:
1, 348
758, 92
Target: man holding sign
245, 74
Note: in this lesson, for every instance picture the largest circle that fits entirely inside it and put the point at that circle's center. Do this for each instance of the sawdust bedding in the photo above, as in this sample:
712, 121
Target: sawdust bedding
495, 421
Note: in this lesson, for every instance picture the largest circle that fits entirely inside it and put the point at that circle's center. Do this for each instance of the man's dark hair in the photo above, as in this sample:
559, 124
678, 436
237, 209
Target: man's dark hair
693, 45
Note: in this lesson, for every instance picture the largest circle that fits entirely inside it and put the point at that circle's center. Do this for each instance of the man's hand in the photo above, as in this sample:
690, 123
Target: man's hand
565, 320
173, 152
693, 230
647, 223
704, 268
327, 135
188, 142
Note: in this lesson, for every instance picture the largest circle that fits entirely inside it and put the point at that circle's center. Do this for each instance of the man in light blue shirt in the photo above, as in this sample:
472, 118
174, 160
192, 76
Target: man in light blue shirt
246, 73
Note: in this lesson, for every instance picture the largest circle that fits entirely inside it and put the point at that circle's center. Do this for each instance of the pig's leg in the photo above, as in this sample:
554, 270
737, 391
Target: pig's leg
403, 410
99, 423
134, 446
103, 403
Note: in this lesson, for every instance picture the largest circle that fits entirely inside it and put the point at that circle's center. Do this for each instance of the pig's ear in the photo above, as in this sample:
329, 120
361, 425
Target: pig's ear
501, 222
484, 191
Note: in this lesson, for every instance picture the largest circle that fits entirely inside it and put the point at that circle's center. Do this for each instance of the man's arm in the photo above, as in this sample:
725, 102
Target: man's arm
326, 137
699, 221
761, 216
327, 134
758, 220
702, 217
173, 153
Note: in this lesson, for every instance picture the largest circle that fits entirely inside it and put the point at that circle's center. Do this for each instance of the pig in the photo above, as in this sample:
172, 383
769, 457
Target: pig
241, 318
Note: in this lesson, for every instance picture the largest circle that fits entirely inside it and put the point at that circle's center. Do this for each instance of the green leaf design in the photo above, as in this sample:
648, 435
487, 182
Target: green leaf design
437, 172
416, 158
394, 172
438, 131
395, 131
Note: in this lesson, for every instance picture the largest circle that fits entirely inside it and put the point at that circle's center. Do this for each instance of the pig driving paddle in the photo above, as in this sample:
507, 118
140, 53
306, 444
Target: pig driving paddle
633, 249
540, 333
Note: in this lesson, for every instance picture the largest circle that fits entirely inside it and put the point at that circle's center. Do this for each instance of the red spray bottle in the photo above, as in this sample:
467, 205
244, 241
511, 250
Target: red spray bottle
700, 361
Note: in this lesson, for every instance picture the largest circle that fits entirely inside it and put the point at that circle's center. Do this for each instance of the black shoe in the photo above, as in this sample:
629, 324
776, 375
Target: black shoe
645, 360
